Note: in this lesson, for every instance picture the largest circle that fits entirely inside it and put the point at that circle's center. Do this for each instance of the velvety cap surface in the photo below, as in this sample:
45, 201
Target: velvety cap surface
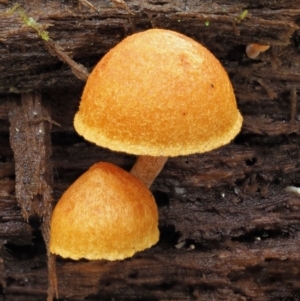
158, 93
105, 214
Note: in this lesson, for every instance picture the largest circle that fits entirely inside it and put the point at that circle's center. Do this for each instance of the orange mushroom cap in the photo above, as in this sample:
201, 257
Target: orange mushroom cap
105, 214
253, 50
158, 93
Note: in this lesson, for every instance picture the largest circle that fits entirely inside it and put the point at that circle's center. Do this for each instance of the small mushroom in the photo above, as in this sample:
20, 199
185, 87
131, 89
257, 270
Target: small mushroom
105, 214
253, 50
157, 94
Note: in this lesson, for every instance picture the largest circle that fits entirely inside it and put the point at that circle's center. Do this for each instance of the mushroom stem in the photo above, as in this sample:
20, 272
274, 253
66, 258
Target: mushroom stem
146, 168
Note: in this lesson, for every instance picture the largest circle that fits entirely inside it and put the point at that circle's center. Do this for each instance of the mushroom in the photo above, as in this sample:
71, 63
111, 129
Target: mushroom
105, 214
253, 50
158, 94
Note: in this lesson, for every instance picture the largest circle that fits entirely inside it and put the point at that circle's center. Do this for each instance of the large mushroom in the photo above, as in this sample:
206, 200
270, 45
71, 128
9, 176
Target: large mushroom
157, 94
105, 214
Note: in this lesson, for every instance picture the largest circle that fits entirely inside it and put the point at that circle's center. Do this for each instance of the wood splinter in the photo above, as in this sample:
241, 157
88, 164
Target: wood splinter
30, 126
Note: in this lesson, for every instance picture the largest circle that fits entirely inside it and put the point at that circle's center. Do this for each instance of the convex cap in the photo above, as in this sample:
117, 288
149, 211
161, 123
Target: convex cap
158, 93
105, 214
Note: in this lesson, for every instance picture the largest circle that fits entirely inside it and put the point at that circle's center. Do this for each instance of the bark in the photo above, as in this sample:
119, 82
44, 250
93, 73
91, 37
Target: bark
86, 34
229, 225
30, 140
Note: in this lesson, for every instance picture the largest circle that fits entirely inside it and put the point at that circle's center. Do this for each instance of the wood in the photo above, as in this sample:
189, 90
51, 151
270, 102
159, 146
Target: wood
30, 140
87, 34
229, 228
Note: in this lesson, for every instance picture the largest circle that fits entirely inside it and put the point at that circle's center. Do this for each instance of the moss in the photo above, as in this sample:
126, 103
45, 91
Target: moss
29, 21
242, 16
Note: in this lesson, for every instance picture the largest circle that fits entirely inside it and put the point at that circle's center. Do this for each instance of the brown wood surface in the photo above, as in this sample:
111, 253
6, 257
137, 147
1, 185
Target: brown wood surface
229, 228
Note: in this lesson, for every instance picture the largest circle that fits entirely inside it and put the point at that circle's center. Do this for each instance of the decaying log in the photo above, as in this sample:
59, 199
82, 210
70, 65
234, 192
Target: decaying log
30, 126
86, 34
228, 211
238, 272
230, 228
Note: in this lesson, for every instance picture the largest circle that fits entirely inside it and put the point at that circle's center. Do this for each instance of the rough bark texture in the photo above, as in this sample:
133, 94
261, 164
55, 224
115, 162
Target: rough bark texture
229, 228
30, 140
